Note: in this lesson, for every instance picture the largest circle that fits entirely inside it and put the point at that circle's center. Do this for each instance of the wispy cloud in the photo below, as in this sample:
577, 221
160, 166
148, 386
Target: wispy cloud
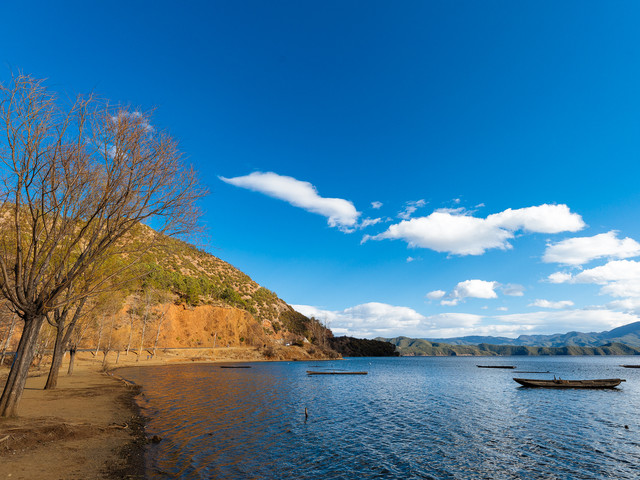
512, 289
456, 232
340, 213
134, 116
540, 303
367, 222
410, 208
376, 205
581, 250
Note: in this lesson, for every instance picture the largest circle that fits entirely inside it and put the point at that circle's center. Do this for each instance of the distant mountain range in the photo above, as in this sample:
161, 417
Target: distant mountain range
627, 334
623, 340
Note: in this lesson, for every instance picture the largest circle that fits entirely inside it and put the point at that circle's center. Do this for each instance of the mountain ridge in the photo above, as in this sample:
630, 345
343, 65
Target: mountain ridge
626, 334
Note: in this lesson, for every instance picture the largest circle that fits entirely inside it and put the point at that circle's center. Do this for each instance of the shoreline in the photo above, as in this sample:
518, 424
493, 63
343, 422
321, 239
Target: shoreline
91, 426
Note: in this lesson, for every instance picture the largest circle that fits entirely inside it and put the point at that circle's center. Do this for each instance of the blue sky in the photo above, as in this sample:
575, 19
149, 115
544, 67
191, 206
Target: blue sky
432, 169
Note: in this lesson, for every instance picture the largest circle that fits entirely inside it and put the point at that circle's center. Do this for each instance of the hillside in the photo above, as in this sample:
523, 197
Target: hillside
627, 334
361, 347
419, 347
179, 296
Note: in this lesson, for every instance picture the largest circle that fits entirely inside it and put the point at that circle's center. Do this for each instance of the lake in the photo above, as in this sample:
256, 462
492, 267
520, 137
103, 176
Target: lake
409, 418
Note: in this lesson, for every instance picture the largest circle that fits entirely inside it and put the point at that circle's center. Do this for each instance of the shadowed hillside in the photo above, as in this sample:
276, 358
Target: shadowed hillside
418, 347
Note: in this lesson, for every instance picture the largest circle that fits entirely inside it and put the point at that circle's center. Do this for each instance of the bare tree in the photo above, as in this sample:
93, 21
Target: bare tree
132, 320
10, 320
76, 338
77, 181
160, 320
58, 320
147, 313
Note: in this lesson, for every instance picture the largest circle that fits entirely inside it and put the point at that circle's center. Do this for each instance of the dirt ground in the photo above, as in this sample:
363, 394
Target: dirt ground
89, 427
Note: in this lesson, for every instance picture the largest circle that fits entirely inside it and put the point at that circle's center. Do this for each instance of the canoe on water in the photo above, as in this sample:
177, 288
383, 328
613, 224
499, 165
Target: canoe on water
511, 367
559, 383
630, 366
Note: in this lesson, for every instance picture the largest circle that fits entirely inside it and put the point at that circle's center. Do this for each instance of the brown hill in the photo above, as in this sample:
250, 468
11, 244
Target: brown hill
183, 297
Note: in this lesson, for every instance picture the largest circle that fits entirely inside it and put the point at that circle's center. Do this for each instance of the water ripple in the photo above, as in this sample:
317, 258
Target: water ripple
410, 418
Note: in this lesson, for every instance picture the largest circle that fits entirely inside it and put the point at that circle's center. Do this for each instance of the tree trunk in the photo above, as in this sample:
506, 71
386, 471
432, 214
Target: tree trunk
160, 321
105, 352
99, 335
20, 369
56, 361
144, 328
63, 335
130, 333
72, 357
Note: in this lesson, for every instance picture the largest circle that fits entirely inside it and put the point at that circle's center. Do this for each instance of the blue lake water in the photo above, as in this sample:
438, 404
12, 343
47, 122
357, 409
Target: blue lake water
410, 417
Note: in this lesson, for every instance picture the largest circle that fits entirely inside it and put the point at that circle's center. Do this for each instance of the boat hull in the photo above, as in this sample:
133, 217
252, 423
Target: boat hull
309, 372
557, 383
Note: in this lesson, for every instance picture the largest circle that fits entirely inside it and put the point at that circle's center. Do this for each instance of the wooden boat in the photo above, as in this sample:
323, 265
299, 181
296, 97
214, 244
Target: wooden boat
559, 383
496, 366
630, 366
235, 366
309, 372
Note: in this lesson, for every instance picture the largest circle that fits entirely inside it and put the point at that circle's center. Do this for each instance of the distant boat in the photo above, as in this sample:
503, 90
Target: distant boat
309, 372
559, 383
235, 366
630, 366
496, 366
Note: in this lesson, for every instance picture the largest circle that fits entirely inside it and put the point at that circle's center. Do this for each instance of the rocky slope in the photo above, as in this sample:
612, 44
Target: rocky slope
180, 297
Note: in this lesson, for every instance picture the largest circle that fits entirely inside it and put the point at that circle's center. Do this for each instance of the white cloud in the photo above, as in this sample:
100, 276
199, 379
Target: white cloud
410, 259
376, 205
340, 213
560, 277
371, 320
540, 303
581, 250
541, 219
512, 289
436, 294
367, 222
456, 232
614, 271
475, 289
466, 289
618, 278
626, 305
622, 289
410, 208
502, 309
562, 321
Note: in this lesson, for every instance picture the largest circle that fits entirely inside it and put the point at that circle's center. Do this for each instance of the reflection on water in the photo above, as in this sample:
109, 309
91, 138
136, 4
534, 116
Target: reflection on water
427, 418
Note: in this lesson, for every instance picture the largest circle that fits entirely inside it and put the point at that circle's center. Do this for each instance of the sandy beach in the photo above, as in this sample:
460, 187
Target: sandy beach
89, 427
